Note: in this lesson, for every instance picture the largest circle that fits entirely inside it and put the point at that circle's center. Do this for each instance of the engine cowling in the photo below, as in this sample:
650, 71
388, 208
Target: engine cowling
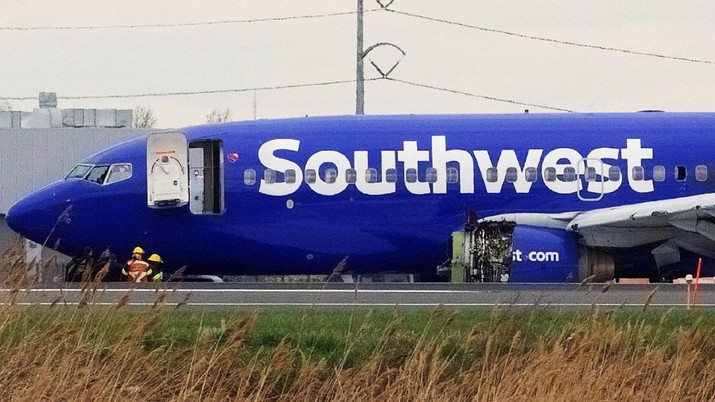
504, 251
544, 255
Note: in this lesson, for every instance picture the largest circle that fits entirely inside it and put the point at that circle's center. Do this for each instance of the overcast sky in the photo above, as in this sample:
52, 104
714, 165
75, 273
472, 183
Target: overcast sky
214, 57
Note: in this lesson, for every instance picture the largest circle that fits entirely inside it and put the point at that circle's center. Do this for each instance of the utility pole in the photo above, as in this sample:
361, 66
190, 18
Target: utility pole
362, 53
360, 76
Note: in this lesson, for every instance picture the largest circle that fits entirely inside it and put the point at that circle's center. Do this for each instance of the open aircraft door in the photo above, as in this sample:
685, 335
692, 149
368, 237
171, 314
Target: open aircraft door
167, 173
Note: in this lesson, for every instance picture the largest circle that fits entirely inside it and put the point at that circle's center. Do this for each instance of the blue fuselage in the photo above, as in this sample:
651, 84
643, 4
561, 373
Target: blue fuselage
403, 224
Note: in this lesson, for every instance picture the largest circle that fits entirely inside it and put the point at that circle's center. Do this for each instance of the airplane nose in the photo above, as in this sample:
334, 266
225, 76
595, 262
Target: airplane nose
22, 219
11, 219
34, 216
16, 216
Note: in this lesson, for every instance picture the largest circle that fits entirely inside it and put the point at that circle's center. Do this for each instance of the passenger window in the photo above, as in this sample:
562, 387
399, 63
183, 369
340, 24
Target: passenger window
659, 173
680, 173
331, 175
569, 173
492, 175
701, 173
391, 175
290, 176
310, 176
614, 173
637, 173
411, 175
431, 175
269, 176
249, 177
119, 172
371, 175
590, 173
452, 175
78, 172
98, 174
511, 175
530, 174
550, 174
350, 175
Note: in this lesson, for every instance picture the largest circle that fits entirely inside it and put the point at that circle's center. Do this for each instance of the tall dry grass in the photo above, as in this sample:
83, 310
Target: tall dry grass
112, 354
116, 354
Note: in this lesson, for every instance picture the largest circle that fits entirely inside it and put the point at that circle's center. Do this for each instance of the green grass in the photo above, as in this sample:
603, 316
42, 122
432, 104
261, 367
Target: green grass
347, 337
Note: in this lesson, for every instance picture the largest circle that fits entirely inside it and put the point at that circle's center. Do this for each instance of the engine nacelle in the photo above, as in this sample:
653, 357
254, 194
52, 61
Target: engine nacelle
544, 255
503, 251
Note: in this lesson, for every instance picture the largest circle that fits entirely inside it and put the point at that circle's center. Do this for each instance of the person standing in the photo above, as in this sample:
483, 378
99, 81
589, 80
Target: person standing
136, 269
79, 268
109, 269
155, 272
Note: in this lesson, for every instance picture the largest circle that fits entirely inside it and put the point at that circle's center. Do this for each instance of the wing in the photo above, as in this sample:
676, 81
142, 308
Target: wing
686, 222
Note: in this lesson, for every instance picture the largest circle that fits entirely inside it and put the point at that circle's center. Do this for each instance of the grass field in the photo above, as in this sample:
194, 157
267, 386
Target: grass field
312, 354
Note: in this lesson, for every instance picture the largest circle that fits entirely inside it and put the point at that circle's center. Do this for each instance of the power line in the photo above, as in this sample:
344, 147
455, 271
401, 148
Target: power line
180, 24
289, 86
189, 93
550, 40
491, 98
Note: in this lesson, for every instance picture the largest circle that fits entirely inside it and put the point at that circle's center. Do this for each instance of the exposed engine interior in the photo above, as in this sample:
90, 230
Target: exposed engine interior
490, 251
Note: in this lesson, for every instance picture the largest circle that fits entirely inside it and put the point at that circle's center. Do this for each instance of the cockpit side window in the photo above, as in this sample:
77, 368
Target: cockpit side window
119, 172
79, 172
98, 174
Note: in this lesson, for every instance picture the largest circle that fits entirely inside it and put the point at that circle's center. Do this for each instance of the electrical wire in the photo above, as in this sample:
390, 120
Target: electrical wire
550, 40
289, 86
491, 98
188, 93
181, 24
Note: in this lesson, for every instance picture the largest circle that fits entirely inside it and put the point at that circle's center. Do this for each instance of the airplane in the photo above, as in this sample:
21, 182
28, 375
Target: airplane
507, 197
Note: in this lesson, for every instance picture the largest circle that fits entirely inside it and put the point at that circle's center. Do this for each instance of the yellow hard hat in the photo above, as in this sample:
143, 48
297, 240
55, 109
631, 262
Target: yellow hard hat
138, 250
154, 258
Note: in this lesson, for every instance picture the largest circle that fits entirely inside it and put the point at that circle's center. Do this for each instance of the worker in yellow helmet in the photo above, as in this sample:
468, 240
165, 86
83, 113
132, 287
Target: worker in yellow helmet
136, 268
155, 272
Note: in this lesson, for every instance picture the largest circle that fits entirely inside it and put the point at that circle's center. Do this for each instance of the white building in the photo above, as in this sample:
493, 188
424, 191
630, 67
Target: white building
40, 147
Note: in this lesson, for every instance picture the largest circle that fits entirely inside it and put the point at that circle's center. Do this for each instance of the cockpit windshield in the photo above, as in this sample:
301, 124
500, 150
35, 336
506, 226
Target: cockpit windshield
79, 172
98, 174
101, 174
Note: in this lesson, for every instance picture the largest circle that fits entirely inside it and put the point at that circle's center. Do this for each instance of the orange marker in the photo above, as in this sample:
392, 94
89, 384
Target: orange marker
697, 279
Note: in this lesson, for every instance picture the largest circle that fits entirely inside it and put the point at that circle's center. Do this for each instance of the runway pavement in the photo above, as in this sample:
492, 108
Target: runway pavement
372, 295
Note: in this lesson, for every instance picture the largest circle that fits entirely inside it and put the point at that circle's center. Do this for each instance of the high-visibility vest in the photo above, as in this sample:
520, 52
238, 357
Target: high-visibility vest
137, 270
137, 265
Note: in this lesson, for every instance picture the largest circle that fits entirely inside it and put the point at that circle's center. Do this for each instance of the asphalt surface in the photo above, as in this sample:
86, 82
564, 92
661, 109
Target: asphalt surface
372, 295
